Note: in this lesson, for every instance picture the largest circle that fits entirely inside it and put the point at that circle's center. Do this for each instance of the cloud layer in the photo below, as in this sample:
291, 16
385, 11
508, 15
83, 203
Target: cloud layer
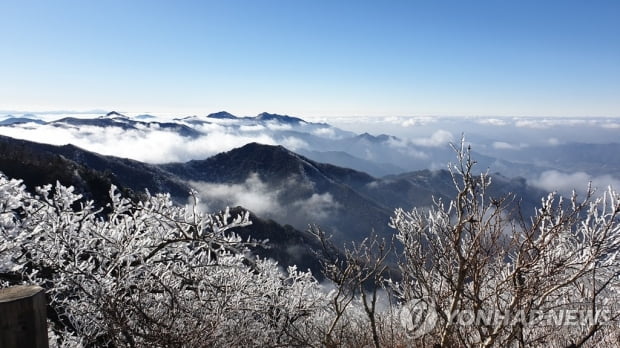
438, 138
148, 144
268, 200
563, 183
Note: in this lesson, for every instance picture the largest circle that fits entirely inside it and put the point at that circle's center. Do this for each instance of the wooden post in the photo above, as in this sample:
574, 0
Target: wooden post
23, 317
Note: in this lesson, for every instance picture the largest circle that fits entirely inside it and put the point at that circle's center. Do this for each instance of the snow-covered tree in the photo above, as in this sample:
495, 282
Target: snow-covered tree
477, 254
148, 273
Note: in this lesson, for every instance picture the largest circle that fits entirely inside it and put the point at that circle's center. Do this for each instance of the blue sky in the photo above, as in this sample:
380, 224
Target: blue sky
313, 58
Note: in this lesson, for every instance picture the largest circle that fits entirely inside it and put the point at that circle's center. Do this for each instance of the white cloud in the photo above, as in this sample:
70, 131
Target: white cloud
217, 121
253, 194
501, 145
374, 184
410, 122
553, 180
438, 138
492, 121
148, 145
293, 143
325, 132
542, 123
527, 123
403, 146
266, 200
252, 128
407, 121
276, 126
610, 125
318, 207
214, 143
209, 127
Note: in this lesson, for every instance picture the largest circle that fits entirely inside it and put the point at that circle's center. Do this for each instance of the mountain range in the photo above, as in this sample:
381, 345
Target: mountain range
512, 149
204, 136
271, 181
289, 173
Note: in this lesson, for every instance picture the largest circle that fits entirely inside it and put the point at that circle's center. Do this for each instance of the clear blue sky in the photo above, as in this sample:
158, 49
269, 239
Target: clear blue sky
313, 58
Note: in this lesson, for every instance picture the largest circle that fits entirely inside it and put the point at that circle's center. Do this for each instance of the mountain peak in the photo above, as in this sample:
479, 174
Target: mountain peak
367, 136
115, 114
265, 116
258, 150
373, 138
222, 115
263, 147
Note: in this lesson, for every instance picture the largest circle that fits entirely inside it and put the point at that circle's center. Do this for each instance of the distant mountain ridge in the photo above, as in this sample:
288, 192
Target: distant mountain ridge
198, 137
263, 116
379, 155
18, 120
280, 118
114, 119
